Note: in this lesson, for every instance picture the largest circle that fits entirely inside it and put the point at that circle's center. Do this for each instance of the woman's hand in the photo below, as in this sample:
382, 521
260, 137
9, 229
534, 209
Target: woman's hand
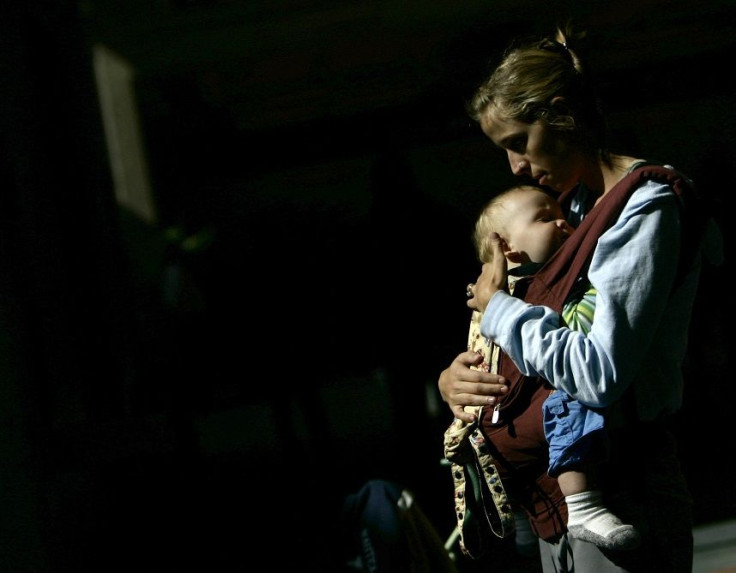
462, 386
493, 277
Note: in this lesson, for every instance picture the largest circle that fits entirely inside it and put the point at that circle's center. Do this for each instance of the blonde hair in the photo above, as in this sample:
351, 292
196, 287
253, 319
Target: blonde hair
530, 76
492, 220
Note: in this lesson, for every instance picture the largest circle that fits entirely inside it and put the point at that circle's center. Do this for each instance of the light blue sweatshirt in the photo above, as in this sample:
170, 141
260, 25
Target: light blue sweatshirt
640, 331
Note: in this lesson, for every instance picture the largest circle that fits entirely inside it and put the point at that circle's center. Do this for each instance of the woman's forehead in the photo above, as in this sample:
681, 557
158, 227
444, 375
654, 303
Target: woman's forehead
500, 128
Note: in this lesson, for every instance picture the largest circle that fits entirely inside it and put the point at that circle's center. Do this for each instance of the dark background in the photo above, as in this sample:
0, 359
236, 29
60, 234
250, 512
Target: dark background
203, 387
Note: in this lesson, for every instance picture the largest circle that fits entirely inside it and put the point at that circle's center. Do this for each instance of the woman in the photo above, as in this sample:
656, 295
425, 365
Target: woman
539, 106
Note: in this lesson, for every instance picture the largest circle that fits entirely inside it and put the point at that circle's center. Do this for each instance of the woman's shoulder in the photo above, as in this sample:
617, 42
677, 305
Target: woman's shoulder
632, 163
660, 167
653, 177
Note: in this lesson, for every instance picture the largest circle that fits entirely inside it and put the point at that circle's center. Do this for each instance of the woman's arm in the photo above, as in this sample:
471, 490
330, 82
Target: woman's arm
633, 269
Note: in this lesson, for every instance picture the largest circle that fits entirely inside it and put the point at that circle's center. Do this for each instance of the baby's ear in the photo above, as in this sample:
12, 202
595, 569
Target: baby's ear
512, 255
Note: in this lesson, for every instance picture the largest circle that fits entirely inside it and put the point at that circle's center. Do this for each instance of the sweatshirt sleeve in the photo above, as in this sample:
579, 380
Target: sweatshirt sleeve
633, 270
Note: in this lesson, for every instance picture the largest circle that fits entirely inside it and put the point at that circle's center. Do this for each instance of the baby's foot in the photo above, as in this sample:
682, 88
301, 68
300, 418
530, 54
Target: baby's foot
590, 520
623, 537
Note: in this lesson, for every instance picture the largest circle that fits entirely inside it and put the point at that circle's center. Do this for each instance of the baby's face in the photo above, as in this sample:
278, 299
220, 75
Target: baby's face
535, 226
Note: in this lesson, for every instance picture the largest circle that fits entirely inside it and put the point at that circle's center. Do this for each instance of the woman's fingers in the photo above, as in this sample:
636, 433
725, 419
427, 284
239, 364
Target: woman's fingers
493, 276
462, 386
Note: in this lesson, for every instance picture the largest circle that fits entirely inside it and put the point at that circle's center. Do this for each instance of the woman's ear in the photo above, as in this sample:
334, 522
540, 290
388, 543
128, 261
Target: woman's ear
560, 112
559, 105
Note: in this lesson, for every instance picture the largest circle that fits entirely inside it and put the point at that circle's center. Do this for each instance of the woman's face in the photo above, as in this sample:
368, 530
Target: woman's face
536, 150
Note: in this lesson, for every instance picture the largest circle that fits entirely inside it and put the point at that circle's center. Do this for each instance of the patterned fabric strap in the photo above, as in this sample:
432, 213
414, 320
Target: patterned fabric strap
481, 503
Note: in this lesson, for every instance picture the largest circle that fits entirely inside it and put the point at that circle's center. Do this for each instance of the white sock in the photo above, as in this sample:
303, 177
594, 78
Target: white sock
588, 519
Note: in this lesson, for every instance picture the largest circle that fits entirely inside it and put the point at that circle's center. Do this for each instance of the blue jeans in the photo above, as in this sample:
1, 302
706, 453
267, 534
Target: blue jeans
574, 432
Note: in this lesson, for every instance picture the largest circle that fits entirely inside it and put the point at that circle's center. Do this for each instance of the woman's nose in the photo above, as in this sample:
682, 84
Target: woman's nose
518, 166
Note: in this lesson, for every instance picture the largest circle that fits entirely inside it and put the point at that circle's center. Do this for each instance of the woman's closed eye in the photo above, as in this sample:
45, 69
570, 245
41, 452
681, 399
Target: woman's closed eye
517, 144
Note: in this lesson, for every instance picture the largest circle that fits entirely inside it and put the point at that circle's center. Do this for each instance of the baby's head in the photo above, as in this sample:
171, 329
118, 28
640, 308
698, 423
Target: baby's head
529, 222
